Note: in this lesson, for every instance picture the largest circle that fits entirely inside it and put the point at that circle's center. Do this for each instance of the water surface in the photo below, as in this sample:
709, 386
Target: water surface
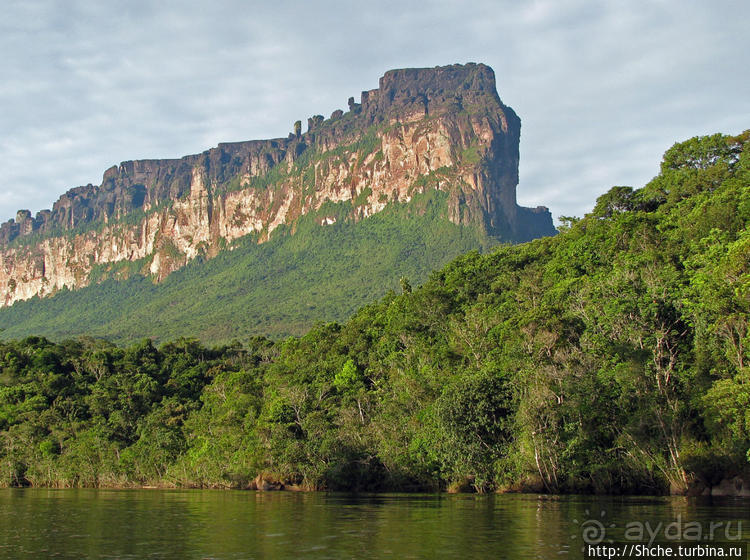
201, 524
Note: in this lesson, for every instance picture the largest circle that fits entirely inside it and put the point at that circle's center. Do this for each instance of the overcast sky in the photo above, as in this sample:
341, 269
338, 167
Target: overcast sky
602, 88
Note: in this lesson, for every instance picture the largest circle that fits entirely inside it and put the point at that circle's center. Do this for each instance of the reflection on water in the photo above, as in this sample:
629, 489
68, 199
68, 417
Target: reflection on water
231, 524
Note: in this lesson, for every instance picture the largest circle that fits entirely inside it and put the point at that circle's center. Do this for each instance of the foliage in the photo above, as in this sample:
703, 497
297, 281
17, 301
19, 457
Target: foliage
610, 358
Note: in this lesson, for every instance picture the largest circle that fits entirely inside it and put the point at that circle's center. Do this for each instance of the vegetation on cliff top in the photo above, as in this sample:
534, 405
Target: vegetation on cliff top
613, 357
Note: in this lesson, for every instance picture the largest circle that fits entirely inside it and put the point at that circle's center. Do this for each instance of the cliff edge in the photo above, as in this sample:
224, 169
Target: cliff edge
441, 128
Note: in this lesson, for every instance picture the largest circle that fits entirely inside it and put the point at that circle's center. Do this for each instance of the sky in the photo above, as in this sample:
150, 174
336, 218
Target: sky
603, 88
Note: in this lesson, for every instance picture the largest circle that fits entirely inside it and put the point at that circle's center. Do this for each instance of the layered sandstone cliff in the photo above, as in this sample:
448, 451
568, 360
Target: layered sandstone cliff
440, 128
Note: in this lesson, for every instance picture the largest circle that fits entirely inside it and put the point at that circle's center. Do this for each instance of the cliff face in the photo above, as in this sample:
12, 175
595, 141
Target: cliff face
440, 128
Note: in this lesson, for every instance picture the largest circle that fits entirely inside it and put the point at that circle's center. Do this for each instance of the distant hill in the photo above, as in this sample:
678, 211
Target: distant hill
273, 235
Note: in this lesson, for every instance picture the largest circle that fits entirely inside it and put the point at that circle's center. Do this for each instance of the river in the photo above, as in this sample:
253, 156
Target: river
187, 524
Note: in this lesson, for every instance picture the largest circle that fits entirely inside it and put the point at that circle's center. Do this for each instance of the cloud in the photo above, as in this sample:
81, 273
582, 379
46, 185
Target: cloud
602, 88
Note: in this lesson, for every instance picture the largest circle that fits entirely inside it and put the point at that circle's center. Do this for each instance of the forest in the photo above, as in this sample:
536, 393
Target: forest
613, 357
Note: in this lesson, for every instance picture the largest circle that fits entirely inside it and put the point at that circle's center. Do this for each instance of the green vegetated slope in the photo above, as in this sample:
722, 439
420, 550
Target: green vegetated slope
614, 357
277, 288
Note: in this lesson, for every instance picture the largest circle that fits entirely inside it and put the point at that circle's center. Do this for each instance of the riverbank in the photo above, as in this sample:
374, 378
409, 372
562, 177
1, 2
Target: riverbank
733, 485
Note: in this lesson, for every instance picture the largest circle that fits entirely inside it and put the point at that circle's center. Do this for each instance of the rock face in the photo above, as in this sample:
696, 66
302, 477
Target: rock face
439, 128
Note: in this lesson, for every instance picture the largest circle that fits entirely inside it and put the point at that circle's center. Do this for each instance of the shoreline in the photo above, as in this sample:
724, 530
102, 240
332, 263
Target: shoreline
729, 487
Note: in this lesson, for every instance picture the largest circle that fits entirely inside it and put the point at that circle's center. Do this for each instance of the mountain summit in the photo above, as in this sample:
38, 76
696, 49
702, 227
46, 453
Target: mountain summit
433, 133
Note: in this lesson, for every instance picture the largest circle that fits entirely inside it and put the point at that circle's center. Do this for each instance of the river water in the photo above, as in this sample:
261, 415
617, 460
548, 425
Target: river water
187, 524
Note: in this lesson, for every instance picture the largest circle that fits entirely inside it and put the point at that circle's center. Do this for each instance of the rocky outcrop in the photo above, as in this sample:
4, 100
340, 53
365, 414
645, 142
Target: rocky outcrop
441, 128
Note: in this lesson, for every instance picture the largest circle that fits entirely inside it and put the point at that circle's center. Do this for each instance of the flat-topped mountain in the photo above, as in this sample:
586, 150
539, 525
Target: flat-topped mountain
437, 130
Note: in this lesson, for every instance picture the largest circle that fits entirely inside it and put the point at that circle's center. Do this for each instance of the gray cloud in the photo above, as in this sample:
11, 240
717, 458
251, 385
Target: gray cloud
602, 88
